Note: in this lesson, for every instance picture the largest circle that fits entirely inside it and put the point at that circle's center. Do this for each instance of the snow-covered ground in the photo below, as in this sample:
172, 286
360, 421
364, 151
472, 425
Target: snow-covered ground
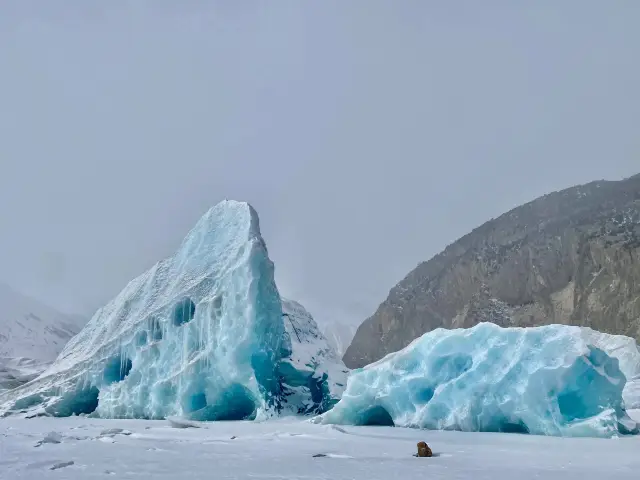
84, 448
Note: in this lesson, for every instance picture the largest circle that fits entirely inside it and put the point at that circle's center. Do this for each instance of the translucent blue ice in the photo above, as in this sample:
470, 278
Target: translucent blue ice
200, 335
550, 380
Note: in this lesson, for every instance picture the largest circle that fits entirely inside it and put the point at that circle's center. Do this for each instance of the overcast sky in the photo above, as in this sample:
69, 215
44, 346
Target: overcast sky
367, 134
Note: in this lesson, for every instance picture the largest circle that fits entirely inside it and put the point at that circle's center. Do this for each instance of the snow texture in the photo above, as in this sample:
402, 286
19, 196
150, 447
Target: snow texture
314, 376
339, 335
293, 449
201, 335
551, 380
31, 336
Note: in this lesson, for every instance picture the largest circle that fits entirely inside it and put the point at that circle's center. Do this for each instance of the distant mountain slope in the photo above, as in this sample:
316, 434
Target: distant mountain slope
339, 335
31, 336
570, 257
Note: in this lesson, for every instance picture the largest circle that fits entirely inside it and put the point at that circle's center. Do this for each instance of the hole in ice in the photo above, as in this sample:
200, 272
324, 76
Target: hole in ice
424, 395
497, 422
421, 390
195, 402
155, 329
376, 416
573, 402
511, 427
571, 405
141, 338
83, 400
117, 369
236, 403
184, 311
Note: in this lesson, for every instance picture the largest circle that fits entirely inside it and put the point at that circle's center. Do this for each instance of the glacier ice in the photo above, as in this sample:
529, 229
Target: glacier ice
626, 351
551, 380
202, 335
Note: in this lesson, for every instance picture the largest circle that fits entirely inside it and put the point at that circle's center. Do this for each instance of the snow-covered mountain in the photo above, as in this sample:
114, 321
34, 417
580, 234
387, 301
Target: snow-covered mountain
339, 335
313, 356
31, 336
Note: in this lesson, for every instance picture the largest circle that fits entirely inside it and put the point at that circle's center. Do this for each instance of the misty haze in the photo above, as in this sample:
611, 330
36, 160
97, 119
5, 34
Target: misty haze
260, 235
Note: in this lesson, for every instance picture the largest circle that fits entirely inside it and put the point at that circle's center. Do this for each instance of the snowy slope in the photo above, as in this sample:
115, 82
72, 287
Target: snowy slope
339, 335
30, 329
31, 336
317, 364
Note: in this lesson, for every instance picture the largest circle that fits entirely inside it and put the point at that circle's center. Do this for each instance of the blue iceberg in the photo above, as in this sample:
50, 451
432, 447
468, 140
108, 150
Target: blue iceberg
551, 380
204, 335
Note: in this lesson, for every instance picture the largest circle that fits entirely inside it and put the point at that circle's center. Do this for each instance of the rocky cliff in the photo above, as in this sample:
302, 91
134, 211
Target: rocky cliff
570, 257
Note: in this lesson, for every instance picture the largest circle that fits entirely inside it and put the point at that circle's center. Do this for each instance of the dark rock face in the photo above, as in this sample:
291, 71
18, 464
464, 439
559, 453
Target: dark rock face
570, 257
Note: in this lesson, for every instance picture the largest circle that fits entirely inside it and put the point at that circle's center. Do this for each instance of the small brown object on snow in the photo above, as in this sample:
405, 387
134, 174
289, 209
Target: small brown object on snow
424, 450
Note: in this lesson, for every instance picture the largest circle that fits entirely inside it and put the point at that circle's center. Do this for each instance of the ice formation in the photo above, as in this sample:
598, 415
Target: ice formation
551, 380
626, 351
202, 335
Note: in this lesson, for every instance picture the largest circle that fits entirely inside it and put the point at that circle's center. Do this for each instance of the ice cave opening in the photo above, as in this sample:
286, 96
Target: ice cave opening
79, 401
184, 311
376, 416
117, 369
235, 403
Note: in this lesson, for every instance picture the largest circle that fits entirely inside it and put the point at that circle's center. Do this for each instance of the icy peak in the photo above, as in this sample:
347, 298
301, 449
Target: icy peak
201, 334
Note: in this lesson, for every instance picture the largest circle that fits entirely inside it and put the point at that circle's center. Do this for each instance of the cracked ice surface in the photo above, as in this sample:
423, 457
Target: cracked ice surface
551, 380
200, 335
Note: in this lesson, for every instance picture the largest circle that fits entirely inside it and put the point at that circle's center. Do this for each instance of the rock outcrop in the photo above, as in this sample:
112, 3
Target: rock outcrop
570, 257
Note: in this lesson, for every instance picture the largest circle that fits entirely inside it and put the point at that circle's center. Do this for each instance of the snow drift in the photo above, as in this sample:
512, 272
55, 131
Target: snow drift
551, 380
200, 335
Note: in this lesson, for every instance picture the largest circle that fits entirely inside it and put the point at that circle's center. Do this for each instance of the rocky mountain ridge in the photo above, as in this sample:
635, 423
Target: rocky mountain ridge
569, 257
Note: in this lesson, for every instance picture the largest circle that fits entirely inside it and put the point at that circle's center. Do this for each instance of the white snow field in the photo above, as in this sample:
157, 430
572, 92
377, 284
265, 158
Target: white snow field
87, 448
